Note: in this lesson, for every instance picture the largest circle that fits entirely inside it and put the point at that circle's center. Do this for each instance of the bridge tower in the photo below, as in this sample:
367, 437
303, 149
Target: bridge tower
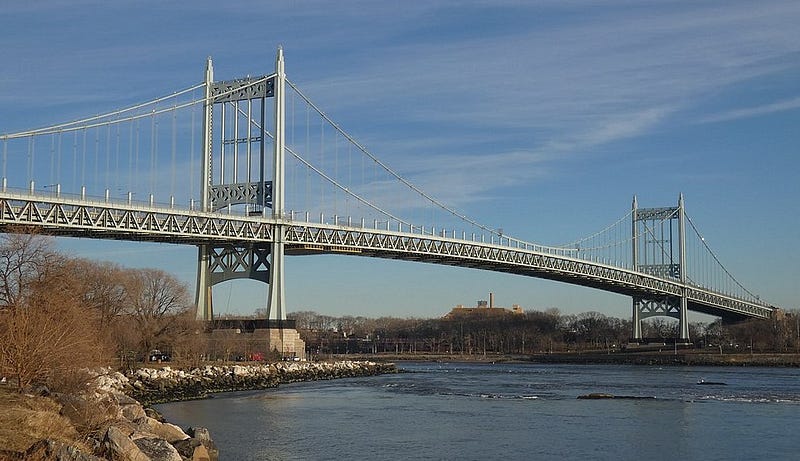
659, 249
235, 165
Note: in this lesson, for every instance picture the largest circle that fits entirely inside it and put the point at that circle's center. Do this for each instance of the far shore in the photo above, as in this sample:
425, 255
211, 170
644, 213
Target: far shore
665, 356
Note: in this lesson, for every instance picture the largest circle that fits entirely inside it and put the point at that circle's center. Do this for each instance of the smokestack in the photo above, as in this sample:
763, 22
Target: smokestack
491, 300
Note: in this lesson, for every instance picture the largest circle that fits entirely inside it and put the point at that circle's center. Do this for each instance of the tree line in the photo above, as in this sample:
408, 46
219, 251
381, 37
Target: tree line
533, 332
60, 314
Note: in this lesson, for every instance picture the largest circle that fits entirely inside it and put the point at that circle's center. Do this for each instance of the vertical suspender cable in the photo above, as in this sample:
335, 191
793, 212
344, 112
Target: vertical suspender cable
83, 160
149, 184
173, 154
248, 152
136, 149
222, 144
52, 158
235, 139
96, 156
130, 157
117, 142
74, 158
335, 170
31, 156
290, 163
191, 149
322, 162
5, 158
108, 156
59, 179
307, 196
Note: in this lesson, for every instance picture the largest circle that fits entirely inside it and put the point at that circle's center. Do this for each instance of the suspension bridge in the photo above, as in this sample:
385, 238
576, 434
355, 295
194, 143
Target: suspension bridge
250, 170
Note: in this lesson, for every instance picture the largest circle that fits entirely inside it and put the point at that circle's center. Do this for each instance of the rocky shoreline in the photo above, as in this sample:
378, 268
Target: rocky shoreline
126, 429
159, 385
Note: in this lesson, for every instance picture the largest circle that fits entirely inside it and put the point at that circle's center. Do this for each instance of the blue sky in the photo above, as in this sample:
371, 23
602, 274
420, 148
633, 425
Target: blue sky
542, 117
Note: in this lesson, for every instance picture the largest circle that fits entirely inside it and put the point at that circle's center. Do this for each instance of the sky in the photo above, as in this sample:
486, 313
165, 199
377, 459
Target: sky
544, 118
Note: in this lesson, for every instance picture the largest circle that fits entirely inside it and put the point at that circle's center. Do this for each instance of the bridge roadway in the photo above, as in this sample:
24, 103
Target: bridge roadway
76, 217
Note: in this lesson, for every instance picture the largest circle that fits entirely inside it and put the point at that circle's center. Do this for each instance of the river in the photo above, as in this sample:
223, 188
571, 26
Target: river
474, 411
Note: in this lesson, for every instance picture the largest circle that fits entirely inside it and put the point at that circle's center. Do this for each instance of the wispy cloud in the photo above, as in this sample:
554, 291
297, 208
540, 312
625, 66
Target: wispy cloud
533, 97
442, 90
747, 112
572, 80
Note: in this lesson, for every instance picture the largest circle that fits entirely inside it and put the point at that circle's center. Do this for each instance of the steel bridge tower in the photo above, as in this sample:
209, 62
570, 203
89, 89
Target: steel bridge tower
659, 249
239, 137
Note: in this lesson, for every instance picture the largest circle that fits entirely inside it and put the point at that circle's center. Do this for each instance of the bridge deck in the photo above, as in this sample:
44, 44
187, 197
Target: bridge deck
96, 219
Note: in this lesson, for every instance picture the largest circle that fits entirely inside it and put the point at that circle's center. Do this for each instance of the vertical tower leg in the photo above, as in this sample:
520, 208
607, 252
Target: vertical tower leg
637, 321
203, 295
683, 321
205, 309
275, 303
637, 302
275, 307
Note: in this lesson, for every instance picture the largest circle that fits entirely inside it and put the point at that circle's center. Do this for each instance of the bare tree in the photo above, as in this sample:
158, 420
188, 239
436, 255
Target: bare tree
102, 287
44, 330
155, 297
24, 259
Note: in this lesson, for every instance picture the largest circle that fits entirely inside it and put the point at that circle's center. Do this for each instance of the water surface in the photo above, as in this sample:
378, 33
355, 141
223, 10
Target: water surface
511, 411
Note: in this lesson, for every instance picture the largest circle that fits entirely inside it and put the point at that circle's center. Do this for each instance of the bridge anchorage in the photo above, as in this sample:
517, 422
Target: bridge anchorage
237, 217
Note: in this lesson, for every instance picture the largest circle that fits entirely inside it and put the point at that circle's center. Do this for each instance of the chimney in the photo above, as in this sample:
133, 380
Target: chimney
491, 300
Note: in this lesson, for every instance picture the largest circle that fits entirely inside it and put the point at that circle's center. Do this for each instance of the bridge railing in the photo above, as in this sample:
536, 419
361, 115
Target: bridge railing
129, 199
350, 225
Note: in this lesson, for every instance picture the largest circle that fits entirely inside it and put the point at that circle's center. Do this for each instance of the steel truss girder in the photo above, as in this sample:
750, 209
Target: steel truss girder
243, 89
662, 307
656, 214
61, 216
384, 244
128, 222
229, 262
253, 193
662, 270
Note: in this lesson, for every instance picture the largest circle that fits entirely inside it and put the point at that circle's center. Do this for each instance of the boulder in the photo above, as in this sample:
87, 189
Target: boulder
86, 413
157, 449
122, 399
202, 434
119, 446
51, 450
133, 412
201, 454
153, 413
169, 432
193, 449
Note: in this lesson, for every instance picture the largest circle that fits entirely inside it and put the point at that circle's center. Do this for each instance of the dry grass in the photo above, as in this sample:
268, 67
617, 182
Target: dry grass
25, 419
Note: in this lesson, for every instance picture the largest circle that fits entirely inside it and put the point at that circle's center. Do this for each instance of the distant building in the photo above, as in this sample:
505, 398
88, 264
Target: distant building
483, 309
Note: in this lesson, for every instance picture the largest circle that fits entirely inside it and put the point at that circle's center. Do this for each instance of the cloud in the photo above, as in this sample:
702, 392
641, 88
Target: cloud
765, 109
447, 92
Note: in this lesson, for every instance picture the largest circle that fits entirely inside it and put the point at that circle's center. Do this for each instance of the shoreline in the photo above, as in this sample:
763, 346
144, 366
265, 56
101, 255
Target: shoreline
663, 357
113, 416
163, 385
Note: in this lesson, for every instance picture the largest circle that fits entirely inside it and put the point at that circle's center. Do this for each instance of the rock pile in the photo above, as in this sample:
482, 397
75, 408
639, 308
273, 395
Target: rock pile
119, 427
150, 385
